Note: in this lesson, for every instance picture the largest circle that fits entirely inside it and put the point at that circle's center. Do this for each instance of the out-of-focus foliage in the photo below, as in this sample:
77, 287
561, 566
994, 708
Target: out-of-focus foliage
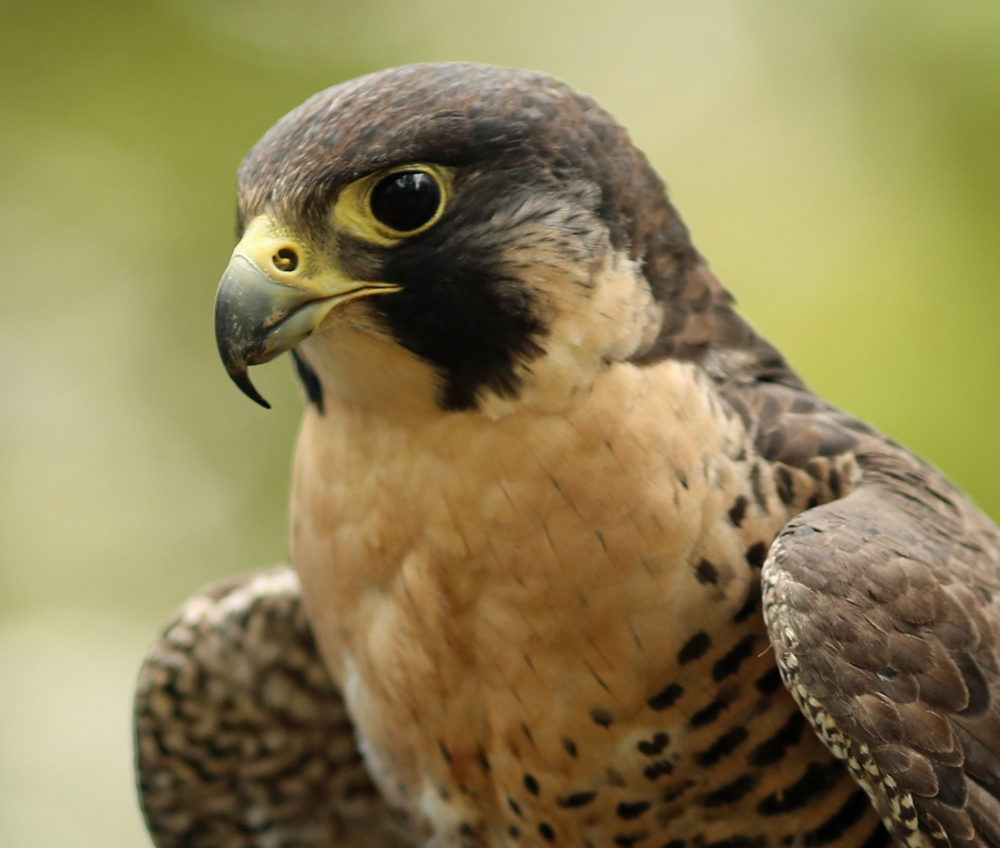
837, 161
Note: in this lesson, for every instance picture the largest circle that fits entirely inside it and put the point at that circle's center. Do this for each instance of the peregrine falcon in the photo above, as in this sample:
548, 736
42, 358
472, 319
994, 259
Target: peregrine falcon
578, 559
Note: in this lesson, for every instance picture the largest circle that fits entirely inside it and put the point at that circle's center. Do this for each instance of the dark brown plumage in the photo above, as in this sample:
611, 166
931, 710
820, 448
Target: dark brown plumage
241, 734
513, 137
552, 499
510, 122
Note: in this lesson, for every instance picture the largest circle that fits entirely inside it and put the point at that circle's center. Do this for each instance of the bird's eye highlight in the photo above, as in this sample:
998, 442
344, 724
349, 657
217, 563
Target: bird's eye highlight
405, 201
388, 207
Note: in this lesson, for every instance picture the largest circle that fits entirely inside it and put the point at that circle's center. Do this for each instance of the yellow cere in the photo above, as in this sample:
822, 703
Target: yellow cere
275, 250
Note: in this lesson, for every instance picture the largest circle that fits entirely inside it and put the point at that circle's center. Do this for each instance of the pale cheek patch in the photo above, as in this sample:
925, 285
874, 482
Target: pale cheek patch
597, 314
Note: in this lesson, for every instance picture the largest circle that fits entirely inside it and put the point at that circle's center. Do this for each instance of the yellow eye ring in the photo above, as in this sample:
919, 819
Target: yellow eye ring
353, 213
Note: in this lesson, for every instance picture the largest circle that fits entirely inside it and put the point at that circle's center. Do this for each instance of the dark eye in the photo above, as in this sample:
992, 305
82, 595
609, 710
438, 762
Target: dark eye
406, 200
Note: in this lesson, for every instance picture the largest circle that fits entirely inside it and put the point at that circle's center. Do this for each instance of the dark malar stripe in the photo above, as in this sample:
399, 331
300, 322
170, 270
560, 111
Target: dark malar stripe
310, 381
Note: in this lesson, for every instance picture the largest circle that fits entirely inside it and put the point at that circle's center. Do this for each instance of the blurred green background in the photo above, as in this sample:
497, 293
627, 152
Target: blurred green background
838, 162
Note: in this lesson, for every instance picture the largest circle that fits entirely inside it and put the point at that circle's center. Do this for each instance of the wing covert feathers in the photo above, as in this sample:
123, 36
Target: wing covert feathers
884, 611
241, 739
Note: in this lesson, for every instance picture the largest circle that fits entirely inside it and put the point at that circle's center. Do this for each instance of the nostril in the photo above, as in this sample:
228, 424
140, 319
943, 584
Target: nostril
285, 259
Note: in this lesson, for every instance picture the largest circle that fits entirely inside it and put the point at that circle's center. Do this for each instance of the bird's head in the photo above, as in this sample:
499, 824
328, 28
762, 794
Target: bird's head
488, 228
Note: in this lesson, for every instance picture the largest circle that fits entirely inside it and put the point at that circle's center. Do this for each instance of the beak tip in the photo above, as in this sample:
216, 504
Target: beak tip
242, 380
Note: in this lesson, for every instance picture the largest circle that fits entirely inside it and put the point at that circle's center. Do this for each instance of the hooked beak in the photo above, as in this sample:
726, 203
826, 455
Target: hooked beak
268, 303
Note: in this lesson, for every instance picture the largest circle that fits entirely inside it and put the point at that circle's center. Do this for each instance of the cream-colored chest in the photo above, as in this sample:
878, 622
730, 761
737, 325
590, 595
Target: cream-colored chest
502, 600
